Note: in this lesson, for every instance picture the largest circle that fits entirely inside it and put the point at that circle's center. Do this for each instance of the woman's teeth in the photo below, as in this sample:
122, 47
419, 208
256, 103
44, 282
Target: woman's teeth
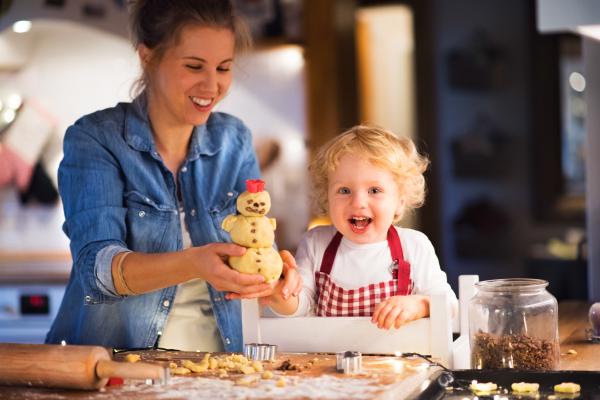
360, 222
201, 102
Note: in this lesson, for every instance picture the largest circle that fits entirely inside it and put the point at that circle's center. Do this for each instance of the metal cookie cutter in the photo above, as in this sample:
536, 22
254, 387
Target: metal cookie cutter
260, 352
349, 361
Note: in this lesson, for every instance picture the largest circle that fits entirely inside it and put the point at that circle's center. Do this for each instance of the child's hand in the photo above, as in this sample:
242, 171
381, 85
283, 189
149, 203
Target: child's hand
398, 310
292, 282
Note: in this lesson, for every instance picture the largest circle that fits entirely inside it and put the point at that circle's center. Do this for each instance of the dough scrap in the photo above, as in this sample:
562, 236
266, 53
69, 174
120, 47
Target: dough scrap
267, 375
172, 365
131, 358
195, 367
213, 363
567, 387
256, 365
484, 387
245, 381
525, 387
238, 358
280, 382
180, 371
264, 261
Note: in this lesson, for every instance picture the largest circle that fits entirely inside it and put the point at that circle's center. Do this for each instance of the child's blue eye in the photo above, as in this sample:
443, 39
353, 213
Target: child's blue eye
345, 191
374, 191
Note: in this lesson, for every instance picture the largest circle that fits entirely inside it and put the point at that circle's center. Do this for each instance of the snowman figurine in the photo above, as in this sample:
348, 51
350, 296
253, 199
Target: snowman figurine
254, 231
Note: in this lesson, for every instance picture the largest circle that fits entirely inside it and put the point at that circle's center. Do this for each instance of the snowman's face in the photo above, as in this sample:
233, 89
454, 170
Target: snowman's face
254, 204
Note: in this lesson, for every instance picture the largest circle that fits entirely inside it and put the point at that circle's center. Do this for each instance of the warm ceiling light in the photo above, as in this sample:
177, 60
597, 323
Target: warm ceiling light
22, 26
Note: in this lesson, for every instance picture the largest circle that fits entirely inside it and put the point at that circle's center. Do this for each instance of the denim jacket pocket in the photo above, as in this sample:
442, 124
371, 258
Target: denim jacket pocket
147, 223
223, 207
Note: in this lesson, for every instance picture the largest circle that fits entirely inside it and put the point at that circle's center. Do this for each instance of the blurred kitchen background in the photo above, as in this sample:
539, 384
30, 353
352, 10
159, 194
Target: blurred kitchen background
502, 95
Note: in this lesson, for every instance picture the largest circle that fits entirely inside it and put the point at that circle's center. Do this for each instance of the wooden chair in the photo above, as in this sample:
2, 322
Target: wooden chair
430, 336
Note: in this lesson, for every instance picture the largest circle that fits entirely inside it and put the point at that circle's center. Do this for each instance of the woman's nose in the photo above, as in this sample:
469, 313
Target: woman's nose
210, 81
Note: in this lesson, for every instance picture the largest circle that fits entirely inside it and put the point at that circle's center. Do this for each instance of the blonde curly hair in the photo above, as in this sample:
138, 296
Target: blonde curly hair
382, 149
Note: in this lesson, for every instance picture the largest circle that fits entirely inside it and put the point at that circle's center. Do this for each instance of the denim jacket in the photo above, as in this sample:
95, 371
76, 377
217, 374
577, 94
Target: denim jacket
118, 195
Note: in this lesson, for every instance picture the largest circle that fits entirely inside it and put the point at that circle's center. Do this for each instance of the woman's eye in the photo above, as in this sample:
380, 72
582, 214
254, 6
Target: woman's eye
223, 69
345, 191
194, 66
374, 191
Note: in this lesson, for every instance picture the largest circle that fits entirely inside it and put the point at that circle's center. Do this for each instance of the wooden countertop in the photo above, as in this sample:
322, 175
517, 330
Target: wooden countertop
572, 322
385, 377
382, 378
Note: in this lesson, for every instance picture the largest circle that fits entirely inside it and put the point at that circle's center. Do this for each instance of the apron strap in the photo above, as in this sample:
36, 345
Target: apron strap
402, 270
330, 252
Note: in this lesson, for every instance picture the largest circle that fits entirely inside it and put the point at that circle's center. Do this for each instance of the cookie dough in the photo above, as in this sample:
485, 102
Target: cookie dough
484, 387
254, 204
256, 232
131, 358
267, 375
525, 387
265, 262
567, 387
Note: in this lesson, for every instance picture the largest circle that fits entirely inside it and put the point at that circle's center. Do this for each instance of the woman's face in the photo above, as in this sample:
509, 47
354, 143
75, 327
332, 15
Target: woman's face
193, 75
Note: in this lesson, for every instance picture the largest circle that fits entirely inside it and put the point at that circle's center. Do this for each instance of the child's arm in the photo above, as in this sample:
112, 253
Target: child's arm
285, 302
398, 310
301, 300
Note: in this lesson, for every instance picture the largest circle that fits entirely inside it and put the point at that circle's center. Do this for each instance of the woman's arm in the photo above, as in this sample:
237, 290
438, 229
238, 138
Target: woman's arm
145, 273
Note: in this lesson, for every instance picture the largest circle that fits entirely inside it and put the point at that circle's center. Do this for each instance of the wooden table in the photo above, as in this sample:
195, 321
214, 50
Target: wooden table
385, 377
572, 323
382, 378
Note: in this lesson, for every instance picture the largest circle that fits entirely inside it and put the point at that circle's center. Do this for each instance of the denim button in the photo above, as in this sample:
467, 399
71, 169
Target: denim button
142, 213
166, 303
227, 340
193, 212
184, 169
229, 194
147, 199
217, 299
88, 298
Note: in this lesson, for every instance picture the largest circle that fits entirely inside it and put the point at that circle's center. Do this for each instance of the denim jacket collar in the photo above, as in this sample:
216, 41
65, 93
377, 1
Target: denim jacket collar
139, 135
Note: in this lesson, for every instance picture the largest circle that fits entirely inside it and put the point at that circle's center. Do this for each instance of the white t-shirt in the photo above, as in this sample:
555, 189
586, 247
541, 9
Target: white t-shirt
191, 324
359, 265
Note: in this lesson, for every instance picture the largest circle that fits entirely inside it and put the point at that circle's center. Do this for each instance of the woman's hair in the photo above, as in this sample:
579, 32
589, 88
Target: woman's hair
157, 24
382, 149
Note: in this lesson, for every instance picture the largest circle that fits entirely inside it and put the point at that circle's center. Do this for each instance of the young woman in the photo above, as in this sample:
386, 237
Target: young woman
145, 187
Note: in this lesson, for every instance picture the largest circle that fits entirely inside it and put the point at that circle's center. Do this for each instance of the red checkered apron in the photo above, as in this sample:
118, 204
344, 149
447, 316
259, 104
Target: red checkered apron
335, 301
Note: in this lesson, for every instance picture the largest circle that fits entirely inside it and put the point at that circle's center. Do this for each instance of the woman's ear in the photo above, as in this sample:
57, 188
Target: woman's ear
145, 54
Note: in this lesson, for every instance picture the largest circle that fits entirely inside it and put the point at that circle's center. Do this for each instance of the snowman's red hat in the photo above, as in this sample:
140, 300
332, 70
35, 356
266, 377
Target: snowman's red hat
255, 185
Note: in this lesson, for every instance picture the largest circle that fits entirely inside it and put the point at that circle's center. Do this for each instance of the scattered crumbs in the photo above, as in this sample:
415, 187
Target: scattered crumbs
571, 351
131, 358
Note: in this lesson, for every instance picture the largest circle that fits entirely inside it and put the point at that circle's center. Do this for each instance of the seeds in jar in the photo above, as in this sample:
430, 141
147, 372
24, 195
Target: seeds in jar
513, 351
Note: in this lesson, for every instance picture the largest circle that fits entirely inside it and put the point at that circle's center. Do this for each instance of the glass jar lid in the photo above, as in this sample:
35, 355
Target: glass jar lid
515, 285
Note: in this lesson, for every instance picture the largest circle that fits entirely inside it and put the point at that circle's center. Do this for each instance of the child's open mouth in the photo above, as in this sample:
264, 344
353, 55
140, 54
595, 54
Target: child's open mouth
359, 224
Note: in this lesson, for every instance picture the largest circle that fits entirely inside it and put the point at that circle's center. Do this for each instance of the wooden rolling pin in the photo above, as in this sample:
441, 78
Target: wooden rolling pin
68, 367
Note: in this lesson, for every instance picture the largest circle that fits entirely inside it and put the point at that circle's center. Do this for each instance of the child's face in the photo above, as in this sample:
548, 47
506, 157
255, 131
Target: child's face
362, 200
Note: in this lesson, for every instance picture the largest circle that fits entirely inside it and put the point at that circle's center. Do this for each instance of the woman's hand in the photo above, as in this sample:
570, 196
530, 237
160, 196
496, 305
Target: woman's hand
291, 284
208, 263
398, 310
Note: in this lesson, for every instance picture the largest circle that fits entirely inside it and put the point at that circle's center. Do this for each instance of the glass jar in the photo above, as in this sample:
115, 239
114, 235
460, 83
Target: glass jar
513, 323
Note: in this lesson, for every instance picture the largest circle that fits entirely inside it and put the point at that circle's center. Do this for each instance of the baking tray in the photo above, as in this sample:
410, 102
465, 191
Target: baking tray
504, 378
